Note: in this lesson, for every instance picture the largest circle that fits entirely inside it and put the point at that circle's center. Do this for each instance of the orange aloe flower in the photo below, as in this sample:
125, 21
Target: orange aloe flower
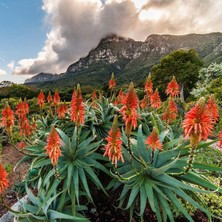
153, 141
56, 98
112, 82
144, 103
113, 147
26, 107
22, 109
155, 100
220, 139
3, 179
49, 97
8, 119
119, 98
173, 88
148, 86
41, 99
77, 107
25, 128
62, 110
21, 145
213, 109
170, 113
53, 146
94, 96
130, 103
19, 110
198, 123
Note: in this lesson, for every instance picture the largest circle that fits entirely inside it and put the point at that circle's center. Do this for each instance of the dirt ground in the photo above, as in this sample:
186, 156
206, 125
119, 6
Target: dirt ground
10, 157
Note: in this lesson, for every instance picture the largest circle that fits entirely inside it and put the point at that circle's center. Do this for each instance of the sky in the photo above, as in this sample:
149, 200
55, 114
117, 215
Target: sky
49, 35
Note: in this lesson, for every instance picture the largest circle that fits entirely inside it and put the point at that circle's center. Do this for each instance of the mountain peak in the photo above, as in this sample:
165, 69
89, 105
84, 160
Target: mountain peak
112, 37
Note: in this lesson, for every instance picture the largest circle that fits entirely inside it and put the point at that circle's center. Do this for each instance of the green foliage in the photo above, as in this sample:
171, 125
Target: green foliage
155, 178
99, 118
209, 81
77, 169
212, 200
216, 89
16, 137
8, 167
182, 64
33, 106
17, 91
214, 203
209, 156
45, 206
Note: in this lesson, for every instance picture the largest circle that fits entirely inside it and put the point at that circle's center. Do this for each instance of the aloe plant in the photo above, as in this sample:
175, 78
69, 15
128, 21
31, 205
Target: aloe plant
77, 166
46, 205
159, 183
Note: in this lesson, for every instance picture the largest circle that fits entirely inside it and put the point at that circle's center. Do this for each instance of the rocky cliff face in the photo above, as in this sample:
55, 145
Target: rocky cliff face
132, 60
111, 50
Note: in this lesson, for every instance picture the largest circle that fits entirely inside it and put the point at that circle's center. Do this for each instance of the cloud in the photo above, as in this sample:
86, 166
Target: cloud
78, 25
11, 65
2, 72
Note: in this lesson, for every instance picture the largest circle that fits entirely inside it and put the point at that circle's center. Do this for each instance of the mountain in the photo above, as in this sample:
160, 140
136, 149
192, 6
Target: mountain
130, 60
42, 77
5, 84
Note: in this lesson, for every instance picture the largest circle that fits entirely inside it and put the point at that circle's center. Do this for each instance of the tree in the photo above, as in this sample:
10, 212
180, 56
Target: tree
208, 79
17, 91
182, 64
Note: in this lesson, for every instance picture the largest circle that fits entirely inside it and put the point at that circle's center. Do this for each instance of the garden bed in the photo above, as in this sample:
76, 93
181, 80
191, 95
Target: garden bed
10, 158
105, 209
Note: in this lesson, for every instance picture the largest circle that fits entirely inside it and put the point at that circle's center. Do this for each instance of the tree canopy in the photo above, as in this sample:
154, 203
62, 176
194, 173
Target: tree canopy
183, 64
209, 80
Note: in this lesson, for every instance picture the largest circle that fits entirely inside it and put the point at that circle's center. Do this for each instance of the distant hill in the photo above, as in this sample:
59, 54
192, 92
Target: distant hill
130, 60
5, 84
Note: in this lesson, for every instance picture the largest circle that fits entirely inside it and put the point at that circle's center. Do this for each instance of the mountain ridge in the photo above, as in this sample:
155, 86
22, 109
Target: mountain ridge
131, 60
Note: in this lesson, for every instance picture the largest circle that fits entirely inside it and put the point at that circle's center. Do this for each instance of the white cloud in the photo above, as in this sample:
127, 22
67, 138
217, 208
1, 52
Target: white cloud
78, 25
11, 65
2, 72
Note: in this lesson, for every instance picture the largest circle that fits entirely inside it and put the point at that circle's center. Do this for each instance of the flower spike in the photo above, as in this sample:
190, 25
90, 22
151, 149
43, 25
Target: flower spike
77, 107
198, 123
41, 99
56, 98
8, 118
153, 141
148, 86
173, 88
113, 147
112, 82
155, 100
53, 146
3, 179
130, 103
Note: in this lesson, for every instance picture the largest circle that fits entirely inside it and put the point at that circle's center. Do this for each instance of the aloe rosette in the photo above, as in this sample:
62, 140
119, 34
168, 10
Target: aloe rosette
156, 181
